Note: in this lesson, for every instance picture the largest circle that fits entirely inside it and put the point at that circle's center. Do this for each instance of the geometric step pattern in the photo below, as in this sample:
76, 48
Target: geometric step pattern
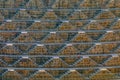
59, 39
